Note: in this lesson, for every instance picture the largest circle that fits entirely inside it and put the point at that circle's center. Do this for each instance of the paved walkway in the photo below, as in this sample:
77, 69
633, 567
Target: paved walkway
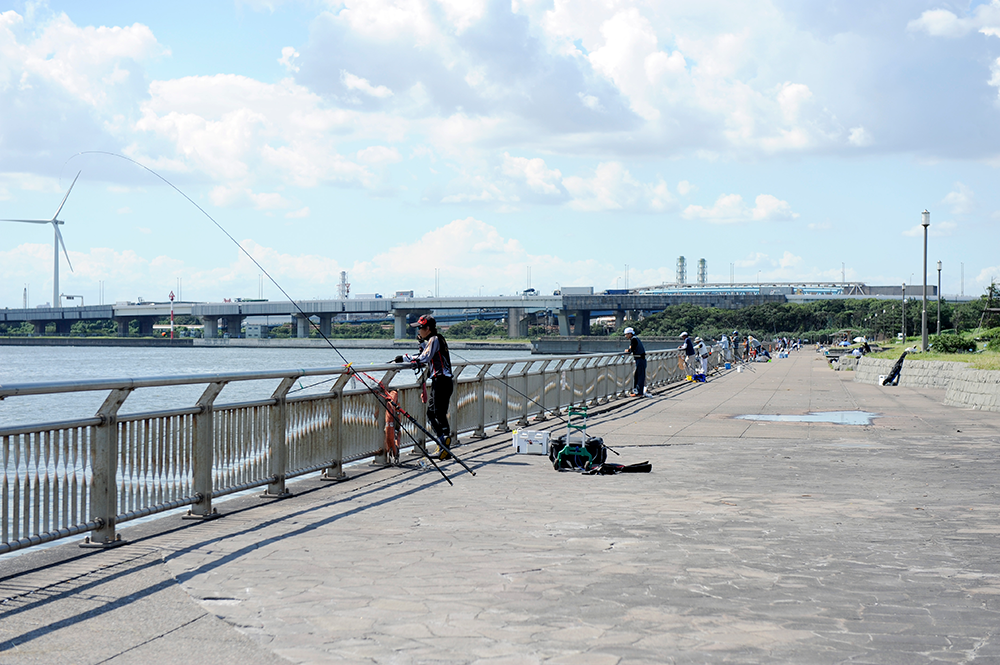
750, 542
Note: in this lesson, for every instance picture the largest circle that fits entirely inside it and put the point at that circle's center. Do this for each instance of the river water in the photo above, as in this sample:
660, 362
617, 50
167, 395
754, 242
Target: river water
31, 364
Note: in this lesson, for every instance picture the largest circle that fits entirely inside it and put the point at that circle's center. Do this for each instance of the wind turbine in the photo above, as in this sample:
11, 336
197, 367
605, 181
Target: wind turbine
55, 243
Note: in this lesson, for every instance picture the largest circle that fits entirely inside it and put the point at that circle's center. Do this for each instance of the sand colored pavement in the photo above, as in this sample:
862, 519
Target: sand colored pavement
751, 542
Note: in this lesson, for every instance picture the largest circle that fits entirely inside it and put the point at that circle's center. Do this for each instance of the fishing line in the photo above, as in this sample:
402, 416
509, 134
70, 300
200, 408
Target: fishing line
384, 401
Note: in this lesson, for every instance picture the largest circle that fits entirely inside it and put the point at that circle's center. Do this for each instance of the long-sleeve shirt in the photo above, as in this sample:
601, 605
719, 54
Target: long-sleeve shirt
435, 355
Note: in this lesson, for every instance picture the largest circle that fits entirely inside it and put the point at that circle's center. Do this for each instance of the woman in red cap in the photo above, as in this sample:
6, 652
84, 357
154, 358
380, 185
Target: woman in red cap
434, 354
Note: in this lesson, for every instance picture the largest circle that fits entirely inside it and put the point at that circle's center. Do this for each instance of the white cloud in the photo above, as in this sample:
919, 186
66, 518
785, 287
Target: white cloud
288, 57
943, 23
730, 208
352, 82
859, 137
533, 172
961, 199
936, 229
988, 275
378, 155
613, 188
684, 188
301, 213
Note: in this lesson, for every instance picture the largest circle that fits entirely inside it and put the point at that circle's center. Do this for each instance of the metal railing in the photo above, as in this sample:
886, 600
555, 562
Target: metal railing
88, 475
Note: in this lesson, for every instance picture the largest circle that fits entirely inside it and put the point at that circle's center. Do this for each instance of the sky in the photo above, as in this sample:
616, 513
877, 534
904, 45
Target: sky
467, 147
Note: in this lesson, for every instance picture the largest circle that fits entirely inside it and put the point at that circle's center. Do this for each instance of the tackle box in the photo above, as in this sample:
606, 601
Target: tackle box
528, 442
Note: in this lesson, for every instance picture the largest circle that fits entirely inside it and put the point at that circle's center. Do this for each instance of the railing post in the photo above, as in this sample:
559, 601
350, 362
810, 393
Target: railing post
382, 459
543, 414
104, 467
278, 440
559, 382
504, 415
335, 471
480, 432
203, 453
523, 420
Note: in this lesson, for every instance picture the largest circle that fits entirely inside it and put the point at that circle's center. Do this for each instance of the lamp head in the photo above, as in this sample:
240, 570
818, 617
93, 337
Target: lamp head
926, 219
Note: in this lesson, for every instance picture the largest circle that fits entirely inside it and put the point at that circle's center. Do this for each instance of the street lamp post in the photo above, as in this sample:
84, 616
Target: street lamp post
939, 299
903, 317
923, 314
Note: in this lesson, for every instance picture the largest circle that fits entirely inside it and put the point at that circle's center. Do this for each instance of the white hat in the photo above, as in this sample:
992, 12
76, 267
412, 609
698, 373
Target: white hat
697, 339
684, 334
629, 331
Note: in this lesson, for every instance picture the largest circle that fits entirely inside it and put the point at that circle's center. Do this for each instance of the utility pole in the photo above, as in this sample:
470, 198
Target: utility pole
939, 299
923, 314
904, 313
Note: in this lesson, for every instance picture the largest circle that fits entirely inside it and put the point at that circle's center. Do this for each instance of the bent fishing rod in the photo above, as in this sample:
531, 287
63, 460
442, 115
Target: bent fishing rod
383, 399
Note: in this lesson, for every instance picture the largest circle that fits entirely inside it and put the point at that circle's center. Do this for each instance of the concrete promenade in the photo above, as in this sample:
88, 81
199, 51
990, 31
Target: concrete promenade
750, 542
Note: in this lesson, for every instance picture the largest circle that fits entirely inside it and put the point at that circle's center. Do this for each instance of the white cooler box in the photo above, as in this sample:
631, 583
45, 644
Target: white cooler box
527, 442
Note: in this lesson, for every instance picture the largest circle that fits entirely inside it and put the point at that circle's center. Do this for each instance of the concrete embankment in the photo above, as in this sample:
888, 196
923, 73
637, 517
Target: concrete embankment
974, 388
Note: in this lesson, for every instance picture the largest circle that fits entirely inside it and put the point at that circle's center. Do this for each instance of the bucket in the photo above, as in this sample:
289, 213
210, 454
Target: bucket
729, 365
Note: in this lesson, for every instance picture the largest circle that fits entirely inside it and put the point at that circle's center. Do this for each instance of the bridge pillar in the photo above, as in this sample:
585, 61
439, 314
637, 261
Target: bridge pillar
63, 327
324, 324
399, 324
146, 325
234, 326
211, 324
301, 326
581, 326
122, 324
39, 327
517, 324
619, 318
563, 316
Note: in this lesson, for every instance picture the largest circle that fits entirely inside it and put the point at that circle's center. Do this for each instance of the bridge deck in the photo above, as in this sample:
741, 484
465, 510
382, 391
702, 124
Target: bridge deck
750, 542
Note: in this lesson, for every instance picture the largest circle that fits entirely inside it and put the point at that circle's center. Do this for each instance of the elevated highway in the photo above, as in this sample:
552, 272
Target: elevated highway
572, 312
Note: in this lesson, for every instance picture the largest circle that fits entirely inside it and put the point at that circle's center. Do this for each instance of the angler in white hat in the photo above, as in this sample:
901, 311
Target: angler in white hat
638, 352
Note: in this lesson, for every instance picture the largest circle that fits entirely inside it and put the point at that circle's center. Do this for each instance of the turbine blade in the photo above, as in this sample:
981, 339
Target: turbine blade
28, 221
63, 243
66, 197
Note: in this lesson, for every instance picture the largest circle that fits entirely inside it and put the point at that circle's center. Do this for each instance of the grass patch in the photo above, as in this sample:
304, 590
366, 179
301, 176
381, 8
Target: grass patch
981, 360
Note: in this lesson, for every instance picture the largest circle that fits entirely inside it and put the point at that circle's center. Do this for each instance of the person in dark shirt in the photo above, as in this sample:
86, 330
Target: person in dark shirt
435, 356
687, 345
638, 352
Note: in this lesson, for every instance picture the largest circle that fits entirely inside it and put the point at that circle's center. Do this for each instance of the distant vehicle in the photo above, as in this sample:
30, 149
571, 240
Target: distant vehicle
617, 292
529, 292
402, 294
577, 290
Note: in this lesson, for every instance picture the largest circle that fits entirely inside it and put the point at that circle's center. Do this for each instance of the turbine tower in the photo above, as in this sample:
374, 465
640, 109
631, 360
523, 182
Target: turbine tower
55, 243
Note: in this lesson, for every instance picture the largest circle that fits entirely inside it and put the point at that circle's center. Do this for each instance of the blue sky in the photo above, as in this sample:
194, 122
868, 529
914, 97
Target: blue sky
481, 142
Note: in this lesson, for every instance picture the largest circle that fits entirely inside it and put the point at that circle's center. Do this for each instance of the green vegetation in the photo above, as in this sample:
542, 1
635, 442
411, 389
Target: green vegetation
476, 330
822, 321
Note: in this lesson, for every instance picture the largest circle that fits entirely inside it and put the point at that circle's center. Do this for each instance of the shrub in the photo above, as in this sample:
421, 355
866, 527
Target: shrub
952, 344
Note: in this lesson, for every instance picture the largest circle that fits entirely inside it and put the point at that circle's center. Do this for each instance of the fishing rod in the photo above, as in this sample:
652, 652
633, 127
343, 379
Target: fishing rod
383, 400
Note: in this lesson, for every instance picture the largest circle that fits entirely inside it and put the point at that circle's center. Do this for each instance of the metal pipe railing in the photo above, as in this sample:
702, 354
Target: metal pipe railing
63, 478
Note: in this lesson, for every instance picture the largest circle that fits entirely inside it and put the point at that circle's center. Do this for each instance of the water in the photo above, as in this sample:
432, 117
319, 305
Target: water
836, 417
31, 364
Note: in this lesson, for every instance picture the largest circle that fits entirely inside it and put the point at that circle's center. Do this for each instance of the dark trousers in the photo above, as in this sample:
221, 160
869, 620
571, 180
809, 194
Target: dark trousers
639, 382
437, 405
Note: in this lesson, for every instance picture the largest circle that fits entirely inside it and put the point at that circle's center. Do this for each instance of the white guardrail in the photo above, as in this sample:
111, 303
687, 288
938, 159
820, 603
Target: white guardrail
67, 478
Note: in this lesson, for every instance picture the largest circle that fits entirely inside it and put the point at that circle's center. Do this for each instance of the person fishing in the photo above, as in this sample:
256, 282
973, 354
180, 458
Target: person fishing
687, 346
434, 355
638, 352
